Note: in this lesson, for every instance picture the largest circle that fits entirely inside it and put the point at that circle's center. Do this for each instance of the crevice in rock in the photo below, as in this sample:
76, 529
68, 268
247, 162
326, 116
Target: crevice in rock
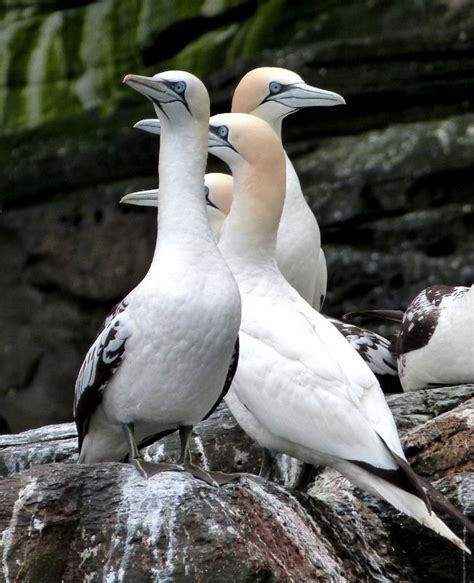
174, 38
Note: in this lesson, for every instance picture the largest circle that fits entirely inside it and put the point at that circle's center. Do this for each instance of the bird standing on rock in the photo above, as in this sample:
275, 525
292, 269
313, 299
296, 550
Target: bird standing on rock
161, 363
378, 352
300, 388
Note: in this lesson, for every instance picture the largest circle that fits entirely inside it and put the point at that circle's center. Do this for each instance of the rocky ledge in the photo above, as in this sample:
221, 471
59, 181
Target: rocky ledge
68, 522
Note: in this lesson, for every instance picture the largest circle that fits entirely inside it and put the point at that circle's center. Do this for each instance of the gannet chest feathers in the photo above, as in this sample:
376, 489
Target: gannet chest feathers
300, 388
272, 93
162, 361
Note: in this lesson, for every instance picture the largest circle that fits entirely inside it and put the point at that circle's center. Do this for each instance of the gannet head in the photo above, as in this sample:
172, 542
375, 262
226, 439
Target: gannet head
254, 153
173, 94
217, 191
218, 188
272, 93
238, 138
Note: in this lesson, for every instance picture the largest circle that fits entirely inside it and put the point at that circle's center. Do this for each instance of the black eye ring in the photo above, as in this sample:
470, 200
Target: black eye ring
223, 132
179, 87
275, 87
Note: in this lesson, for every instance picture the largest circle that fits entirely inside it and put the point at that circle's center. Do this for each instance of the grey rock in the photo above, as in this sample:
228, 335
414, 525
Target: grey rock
120, 527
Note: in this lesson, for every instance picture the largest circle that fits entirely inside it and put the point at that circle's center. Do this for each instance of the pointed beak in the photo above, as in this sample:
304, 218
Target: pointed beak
300, 95
148, 86
152, 126
142, 198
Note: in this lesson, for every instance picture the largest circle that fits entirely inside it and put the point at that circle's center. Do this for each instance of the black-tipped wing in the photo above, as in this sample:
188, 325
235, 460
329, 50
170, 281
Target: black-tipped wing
99, 365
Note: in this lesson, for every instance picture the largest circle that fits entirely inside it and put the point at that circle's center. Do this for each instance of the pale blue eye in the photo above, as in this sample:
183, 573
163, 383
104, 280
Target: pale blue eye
275, 87
179, 87
223, 132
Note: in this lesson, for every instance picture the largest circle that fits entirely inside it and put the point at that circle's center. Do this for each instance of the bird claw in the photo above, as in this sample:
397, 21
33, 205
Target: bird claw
215, 479
149, 469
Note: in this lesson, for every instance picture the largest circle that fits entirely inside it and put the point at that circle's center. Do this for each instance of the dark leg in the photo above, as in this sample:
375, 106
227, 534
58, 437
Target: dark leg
213, 478
146, 469
306, 477
268, 464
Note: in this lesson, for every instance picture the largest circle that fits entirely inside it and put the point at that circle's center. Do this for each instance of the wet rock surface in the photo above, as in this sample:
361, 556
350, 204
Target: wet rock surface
66, 522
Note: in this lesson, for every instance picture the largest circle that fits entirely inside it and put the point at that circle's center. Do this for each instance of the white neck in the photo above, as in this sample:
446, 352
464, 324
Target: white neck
183, 223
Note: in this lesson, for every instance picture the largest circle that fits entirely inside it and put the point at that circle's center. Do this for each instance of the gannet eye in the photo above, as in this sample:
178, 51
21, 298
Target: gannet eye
223, 132
275, 87
179, 87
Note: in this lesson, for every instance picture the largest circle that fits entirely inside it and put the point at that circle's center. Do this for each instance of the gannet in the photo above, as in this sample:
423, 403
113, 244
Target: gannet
378, 352
300, 388
272, 94
435, 345
166, 354
217, 192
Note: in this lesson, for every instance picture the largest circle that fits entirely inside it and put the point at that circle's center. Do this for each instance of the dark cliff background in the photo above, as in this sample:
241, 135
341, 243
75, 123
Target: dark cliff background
389, 176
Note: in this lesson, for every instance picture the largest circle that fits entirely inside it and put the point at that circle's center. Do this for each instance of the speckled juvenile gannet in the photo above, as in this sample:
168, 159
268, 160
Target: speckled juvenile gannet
378, 352
300, 388
435, 346
161, 362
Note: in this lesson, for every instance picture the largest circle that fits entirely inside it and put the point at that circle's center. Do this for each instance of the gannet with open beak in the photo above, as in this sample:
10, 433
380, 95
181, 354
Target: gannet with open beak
167, 353
300, 388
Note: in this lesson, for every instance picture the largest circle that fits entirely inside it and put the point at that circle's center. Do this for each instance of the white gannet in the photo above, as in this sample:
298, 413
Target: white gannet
300, 388
162, 360
272, 93
217, 192
378, 352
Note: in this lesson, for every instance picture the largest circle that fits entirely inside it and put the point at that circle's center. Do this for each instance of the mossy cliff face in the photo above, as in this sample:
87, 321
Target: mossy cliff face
389, 175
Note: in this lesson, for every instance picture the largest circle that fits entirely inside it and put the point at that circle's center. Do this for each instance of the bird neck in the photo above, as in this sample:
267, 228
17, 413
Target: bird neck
183, 223
250, 230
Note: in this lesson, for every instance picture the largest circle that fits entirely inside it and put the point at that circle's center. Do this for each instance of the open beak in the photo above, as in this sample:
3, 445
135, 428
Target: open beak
152, 126
300, 95
142, 198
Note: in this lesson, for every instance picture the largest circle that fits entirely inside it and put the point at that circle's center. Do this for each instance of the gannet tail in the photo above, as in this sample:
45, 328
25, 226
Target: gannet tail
406, 502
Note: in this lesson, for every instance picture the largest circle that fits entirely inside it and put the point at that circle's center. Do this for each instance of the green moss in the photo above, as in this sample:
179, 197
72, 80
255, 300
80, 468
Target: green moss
207, 54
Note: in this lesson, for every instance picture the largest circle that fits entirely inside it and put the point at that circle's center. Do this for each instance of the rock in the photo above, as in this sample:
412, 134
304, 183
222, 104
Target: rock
116, 526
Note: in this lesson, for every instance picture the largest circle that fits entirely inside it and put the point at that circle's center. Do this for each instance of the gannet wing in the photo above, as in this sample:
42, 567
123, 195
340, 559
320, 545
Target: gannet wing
100, 364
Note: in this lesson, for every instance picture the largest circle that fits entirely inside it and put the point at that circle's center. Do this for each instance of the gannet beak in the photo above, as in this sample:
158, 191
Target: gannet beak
142, 198
300, 95
159, 91
152, 126
148, 86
